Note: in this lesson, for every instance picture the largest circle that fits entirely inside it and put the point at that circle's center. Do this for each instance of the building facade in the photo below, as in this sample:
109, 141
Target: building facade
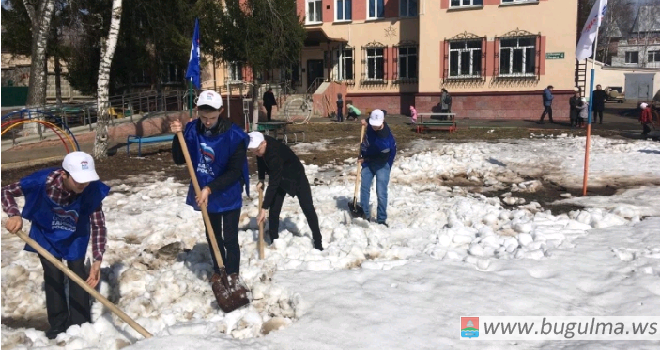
494, 56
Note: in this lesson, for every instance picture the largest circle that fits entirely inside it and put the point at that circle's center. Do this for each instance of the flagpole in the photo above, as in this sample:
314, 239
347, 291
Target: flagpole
591, 104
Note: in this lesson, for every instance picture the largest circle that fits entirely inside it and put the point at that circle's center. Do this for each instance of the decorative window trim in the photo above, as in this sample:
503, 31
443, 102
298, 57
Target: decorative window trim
518, 34
465, 36
374, 45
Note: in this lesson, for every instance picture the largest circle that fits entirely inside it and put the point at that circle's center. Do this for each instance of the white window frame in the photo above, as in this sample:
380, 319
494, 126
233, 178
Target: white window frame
524, 58
341, 71
407, 14
376, 9
518, 2
319, 7
651, 56
626, 57
343, 2
375, 67
471, 73
407, 55
462, 3
235, 71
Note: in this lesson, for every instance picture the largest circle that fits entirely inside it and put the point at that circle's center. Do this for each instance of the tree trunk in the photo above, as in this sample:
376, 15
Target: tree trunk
255, 101
58, 80
40, 15
108, 46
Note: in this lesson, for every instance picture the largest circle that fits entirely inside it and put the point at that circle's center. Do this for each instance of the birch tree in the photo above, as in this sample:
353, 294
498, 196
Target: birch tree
41, 15
108, 46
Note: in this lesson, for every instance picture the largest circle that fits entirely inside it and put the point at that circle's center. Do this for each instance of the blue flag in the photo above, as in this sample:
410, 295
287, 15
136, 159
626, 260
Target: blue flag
193, 71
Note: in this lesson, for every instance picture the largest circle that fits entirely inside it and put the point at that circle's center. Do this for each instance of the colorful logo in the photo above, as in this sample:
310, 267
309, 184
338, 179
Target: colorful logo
209, 96
83, 164
469, 327
208, 155
66, 214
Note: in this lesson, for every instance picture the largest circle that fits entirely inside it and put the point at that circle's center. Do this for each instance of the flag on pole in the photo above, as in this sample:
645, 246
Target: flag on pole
590, 30
193, 72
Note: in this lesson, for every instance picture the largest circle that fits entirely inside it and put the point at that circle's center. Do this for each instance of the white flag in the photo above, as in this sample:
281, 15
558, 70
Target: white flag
590, 30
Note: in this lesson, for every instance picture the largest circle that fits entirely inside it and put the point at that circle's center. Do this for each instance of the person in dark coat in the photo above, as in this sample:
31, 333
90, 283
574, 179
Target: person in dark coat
573, 102
218, 152
286, 175
598, 105
269, 102
547, 104
340, 108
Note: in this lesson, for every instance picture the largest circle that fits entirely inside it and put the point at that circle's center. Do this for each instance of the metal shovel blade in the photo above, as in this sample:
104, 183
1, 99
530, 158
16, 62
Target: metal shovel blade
229, 292
356, 209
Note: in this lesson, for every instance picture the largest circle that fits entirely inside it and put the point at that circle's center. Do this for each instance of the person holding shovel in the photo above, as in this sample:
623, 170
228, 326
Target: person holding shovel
218, 153
64, 206
378, 150
286, 175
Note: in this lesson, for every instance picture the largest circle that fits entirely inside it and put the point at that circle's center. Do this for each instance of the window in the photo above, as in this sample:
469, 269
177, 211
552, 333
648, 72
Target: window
235, 71
459, 3
376, 9
632, 57
654, 56
171, 74
518, 1
465, 58
518, 56
314, 10
408, 63
408, 8
343, 10
345, 59
375, 64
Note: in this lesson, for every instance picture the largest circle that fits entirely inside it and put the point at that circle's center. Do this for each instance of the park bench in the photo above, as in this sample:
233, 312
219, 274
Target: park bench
434, 124
146, 139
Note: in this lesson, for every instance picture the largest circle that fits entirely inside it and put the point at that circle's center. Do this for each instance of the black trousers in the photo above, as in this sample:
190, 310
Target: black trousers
269, 110
646, 128
62, 314
599, 114
352, 115
548, 111
225, 229
306, 202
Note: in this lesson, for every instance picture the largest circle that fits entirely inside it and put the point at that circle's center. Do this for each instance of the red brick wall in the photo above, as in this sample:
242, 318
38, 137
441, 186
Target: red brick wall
328, 13
444, 4
509, 105
391, 8
359, 9
301, 8
392, 103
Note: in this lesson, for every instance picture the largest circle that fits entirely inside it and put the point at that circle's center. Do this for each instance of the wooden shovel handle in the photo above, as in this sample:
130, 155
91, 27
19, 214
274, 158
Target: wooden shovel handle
205, 214
260, 244
74, 277
359, 169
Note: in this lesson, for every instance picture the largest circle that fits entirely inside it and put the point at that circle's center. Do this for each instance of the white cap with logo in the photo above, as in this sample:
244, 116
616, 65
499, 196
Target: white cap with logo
80, 167
377, 117
643, 105
209, 98
256, 138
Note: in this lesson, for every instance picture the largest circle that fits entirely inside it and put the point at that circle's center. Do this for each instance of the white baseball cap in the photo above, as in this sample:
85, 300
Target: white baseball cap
256, 138
643, 105
209, 98
377, 117
80, 167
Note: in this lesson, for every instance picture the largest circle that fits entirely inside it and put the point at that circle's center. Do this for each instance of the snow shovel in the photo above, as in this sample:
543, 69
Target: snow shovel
260, 244
230, 294
355, 208
74, 277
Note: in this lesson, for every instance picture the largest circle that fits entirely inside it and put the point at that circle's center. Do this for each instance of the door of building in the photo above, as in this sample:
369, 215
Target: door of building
639, 86
314, 70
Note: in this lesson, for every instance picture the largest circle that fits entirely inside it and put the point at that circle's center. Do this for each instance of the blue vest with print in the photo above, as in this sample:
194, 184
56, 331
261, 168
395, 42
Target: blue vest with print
373, 145
62, 231
209, 156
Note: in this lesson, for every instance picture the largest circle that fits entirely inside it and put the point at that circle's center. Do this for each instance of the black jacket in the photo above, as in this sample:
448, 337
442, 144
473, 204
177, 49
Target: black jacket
600, 96
284, 170
234, 169
573, 102
269, 99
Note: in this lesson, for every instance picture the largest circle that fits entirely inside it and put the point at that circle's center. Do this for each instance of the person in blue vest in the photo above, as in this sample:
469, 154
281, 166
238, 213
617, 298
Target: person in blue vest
64, 206
218, 151
377, 154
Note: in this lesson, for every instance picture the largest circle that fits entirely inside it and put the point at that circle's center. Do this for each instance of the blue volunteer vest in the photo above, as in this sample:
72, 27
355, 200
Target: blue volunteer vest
373, 145
63, 231
209, 156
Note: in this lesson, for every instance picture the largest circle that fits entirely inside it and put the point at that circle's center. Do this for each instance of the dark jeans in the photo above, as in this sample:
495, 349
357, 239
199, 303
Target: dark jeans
599, 114
382, 174
306, 204
225, 228
646, 128
574, 115
340, 115
352, 115
269, 110
548, 111
62, 314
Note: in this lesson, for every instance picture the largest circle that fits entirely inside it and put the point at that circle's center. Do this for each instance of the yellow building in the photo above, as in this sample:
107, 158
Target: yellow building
494, 56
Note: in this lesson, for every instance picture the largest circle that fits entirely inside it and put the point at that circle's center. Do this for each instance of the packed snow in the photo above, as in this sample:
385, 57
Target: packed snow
449, 251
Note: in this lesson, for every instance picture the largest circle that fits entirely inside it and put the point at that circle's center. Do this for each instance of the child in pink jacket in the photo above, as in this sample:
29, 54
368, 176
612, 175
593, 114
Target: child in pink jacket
413, 114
